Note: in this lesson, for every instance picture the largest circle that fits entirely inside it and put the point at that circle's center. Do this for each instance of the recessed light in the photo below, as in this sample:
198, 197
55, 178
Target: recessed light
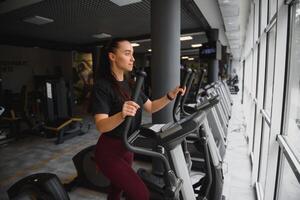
135, 44
184, 57
191, 58
184, 38
196, 45
149, 50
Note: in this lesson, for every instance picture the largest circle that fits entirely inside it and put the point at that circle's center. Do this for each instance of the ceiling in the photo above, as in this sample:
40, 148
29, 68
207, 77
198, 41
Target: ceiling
186, 49
235, 14
76, 21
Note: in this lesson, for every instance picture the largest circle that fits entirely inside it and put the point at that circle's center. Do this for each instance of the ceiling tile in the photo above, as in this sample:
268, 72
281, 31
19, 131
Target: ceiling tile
230, 11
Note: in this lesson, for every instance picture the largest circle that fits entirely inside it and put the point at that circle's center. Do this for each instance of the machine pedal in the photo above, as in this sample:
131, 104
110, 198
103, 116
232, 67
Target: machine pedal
151, 180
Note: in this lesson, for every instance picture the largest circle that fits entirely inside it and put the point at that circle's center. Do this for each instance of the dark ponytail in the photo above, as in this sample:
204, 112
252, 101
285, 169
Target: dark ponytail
104, 69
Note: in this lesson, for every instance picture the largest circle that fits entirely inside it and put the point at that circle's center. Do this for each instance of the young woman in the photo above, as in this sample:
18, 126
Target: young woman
111, 104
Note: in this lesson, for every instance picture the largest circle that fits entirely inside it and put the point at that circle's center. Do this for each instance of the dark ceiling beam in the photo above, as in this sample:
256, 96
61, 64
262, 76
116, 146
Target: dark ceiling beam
194, 30
192, 9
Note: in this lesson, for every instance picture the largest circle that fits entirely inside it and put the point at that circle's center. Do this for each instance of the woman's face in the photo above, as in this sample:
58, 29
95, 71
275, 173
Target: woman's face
123, 58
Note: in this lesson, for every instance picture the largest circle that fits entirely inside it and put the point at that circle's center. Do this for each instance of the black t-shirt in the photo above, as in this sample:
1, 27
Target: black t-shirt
107, 101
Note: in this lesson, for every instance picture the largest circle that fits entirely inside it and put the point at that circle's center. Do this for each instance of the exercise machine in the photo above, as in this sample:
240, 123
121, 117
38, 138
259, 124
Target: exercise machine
169, 138
41, 186
87, 174
59, 119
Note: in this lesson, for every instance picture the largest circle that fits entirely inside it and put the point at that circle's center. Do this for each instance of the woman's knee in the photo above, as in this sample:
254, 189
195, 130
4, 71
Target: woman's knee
140, 192
143, 193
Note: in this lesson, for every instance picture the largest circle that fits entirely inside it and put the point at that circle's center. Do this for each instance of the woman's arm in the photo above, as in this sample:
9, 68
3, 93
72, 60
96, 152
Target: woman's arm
158, 104
105, 123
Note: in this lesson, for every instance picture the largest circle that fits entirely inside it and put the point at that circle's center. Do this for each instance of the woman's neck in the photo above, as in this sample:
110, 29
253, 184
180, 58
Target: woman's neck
118, 74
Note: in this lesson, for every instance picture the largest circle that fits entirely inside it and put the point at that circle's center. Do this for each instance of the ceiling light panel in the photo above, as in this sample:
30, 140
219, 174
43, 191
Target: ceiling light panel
102, 35
231, 20
125, 2
228, 2
235, 46
233, 35
38, 20
232, 27
236, 41
135, 44
184, 38
196, 45
230, 11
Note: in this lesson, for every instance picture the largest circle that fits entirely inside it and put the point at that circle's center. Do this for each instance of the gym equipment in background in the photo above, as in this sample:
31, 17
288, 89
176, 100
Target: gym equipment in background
59, 118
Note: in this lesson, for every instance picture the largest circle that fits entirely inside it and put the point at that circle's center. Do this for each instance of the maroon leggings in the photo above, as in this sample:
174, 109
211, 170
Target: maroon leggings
115, 161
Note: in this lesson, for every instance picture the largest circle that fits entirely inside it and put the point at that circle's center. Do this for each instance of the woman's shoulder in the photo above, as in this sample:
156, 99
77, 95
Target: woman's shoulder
103, 85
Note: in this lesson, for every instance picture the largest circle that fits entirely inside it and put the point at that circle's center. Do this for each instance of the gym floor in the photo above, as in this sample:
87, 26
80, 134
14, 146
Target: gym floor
33, 154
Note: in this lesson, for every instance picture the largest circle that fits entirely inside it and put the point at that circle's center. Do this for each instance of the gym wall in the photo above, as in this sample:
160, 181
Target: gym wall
18, 65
